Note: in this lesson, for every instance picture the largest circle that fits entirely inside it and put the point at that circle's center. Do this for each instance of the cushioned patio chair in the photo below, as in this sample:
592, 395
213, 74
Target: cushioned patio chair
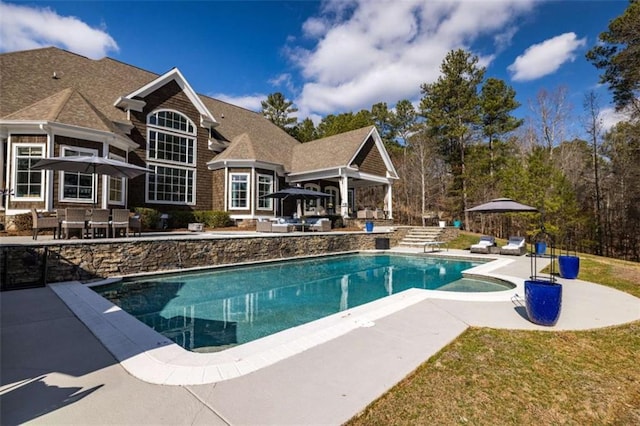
515, 246
74, 218
119, 222
42, 222
135, 224
99, 219
483, 245
263, 225
321, 225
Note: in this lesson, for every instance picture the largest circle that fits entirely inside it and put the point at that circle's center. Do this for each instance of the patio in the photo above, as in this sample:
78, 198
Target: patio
62, 373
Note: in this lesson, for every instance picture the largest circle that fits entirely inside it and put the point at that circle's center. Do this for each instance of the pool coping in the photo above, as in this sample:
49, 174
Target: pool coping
153, 358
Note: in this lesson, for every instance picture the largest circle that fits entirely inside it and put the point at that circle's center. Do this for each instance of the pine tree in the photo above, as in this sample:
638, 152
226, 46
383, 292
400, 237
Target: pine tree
277, 109
451, 108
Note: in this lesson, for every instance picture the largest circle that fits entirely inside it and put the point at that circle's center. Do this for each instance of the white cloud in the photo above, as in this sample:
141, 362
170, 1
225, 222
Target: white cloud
370, 51
250, 102
609, 117
545, 58
24, 27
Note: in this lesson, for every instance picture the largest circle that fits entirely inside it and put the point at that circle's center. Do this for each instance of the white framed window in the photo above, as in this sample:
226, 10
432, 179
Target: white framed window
239, 191
311, 205
76, 186
116, 185
171, 146
171, 138
265, 186
29, 184
171, 185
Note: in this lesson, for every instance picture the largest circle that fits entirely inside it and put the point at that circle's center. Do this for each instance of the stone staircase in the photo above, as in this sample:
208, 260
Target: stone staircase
417, 237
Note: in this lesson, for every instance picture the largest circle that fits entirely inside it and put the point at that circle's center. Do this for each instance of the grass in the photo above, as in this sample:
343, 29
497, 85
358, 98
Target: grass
489, 376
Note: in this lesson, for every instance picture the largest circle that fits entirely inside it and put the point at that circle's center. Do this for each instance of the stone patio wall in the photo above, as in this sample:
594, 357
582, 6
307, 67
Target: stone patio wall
24, 265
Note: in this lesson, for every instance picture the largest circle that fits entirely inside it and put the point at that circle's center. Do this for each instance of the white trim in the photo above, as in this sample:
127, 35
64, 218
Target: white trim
231, 175
152, 165
193, 137
124, 182
13, 178
68, 130
273, 180
94, 188
252, 192
206, 119
391, 170
220, 164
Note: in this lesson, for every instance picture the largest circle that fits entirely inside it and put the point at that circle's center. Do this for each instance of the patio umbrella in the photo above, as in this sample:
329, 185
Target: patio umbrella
296, 193
92, 165
502, 205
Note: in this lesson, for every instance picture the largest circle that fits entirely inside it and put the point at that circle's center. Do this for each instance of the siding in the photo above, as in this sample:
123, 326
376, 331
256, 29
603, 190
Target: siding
369, 160
170, 96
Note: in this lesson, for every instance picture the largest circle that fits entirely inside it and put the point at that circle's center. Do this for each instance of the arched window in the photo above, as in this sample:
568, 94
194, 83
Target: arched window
171, 138
171, 153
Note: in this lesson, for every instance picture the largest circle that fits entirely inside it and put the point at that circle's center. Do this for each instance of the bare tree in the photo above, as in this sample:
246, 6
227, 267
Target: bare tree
593, 127
550, 113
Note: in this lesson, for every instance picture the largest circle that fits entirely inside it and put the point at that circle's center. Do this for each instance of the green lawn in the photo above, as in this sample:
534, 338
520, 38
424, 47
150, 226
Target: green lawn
492, 377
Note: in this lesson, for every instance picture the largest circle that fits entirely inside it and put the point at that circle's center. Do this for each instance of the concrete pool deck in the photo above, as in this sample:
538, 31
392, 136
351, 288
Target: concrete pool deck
54, 370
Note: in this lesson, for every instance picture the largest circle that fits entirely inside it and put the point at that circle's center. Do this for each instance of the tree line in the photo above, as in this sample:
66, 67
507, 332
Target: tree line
461, 145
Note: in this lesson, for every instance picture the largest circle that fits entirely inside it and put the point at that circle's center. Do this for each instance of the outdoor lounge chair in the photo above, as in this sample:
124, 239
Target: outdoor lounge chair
263, 225
119, 221
483, 245
41, 222
321, 225
515, 246
99, 220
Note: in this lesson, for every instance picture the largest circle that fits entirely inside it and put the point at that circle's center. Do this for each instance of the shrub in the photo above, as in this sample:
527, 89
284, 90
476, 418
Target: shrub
149, 217
23, 222
180, 218
220, 219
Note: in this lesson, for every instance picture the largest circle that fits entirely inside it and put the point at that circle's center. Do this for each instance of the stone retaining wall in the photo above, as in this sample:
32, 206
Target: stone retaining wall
24, 265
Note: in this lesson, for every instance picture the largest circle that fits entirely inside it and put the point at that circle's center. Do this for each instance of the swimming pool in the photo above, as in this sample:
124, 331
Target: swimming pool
213, 310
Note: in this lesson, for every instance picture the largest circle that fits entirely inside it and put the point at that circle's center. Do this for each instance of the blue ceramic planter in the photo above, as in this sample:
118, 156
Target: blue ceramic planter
541, 248
569, 266
368, 226
543, 300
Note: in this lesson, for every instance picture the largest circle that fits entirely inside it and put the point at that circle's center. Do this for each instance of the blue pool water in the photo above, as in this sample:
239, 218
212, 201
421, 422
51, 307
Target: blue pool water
214, 310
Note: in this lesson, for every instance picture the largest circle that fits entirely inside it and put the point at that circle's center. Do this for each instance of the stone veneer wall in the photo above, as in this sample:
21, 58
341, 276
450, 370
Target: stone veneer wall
87, 260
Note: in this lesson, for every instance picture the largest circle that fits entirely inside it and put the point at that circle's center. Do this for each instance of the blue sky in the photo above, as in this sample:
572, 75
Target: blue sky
331, 56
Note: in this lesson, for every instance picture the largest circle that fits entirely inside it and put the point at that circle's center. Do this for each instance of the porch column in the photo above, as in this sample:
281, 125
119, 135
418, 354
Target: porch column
344, 196
389, 202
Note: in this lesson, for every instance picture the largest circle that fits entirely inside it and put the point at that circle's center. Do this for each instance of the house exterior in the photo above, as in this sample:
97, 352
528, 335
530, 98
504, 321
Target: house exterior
205, 154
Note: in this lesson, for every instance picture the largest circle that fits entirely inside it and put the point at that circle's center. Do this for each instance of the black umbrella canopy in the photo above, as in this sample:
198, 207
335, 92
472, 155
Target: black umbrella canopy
91, 164
502, 205
296, 193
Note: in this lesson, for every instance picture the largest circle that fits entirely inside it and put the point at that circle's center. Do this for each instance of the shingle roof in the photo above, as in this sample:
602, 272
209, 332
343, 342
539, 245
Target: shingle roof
27, 85
67, 107
57, 85
330, 152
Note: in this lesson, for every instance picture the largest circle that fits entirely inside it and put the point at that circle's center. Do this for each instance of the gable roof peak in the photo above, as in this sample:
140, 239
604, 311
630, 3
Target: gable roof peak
132, 101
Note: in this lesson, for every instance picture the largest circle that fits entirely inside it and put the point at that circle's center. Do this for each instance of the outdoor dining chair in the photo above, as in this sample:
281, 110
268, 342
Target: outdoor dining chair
119, 221
75, 218
99, 220
41, 222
